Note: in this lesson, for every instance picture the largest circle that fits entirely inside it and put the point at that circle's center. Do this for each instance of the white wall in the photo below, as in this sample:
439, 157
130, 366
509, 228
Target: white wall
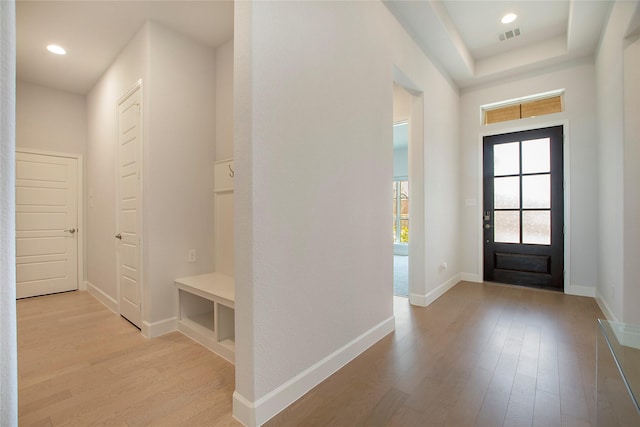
224, 101
100, 198
442, 191
616, 212
179, 156
178, 78
8, 339
314, 159
631, 314
579, 115
50, 119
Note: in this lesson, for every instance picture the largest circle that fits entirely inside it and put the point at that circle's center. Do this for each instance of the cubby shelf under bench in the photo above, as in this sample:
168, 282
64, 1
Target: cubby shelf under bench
206, 311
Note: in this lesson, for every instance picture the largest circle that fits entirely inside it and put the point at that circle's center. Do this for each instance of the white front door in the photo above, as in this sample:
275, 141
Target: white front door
129, 204
46, 224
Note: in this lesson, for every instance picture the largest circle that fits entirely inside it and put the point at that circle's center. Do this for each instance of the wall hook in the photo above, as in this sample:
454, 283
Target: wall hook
231, 172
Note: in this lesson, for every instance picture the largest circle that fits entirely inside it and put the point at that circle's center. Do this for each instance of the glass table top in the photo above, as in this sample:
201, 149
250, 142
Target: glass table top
624, 342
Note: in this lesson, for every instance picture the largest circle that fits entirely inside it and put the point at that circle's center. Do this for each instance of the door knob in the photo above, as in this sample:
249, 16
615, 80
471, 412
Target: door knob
119, 236
72, 230
487, 226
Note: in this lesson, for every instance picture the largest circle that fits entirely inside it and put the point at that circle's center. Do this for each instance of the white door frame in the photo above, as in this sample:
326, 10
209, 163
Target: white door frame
80, 201
137, 86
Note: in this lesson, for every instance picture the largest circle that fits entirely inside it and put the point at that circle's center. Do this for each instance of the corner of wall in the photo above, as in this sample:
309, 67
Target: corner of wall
262, 410
244, 411
161, 327
580, 291
606, 310
471, 277
98, 294
429, 298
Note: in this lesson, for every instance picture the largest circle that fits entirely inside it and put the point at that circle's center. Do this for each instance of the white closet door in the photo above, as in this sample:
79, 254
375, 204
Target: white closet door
46, 224
129, 277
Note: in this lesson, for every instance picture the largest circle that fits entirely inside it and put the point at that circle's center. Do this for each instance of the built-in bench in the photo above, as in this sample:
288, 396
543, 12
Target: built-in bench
206, 311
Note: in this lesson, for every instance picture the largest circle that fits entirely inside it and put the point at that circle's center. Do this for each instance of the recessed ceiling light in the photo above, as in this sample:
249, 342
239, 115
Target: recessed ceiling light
58, 50
509, 18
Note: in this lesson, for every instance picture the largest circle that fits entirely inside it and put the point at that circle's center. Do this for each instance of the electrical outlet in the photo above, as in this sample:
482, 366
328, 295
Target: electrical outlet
191, 255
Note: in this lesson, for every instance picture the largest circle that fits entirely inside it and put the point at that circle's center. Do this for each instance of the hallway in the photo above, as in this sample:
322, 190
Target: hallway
484, 355
480, 355
80, 364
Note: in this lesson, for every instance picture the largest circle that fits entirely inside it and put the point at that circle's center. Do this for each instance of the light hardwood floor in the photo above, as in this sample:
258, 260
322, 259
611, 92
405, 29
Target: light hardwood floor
483, 355
79, 364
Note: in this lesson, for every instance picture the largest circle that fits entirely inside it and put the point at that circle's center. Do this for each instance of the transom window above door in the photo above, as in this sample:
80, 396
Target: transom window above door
521, 108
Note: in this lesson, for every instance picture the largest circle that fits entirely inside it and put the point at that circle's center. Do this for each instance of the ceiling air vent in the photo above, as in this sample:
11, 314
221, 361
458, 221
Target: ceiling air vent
509, 34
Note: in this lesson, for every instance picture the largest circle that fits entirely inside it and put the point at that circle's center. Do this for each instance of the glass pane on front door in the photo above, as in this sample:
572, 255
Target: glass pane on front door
536, 191
507, 227
506, 159
536, 227
536, 156
506, 192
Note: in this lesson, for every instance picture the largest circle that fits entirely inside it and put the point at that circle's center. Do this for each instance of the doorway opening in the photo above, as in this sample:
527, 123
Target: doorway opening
401, 113
401, 238
523, 214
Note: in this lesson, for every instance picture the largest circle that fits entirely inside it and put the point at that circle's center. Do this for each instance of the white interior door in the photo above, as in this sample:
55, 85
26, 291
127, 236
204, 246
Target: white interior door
129, 277
46, 224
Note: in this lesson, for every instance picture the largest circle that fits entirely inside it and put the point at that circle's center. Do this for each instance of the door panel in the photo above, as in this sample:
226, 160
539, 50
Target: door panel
523, 208
529, 263
129, 131
46, 224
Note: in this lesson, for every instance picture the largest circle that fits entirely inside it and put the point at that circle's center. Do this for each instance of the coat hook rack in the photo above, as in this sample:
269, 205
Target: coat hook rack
231, 172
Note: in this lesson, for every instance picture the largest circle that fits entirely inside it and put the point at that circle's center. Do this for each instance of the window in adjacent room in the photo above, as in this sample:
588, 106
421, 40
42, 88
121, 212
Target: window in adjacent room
400, 211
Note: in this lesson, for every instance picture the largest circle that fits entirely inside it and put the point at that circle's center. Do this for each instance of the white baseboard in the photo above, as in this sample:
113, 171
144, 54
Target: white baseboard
608, 313
417, 299
256, 413
627, 335
105, 299
425, 300
471, 277
244, 411
581, 291
161, 327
